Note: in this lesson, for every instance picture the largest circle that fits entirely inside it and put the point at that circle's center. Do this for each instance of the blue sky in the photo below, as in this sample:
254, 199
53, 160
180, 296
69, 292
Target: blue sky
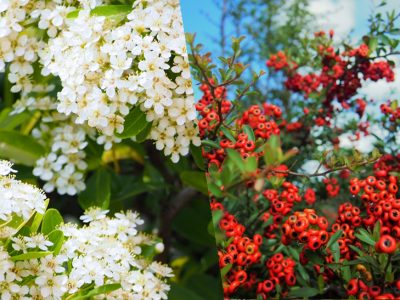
345, 14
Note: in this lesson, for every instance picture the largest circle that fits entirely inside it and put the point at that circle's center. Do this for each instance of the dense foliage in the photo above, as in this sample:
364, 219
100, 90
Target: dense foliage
97, 109
305, 202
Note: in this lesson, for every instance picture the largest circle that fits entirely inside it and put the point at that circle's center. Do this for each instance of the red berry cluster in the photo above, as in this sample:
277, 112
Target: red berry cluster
306, 227
381, 203
392, 113
387, 163
209, 111
279, 61
281, 271
332, 187
358, 288
309, 196
281, 205
241, 253
348, 219
340, 75
260, 120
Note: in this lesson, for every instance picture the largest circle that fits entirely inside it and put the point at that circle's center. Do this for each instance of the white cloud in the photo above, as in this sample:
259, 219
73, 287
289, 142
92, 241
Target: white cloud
339, 15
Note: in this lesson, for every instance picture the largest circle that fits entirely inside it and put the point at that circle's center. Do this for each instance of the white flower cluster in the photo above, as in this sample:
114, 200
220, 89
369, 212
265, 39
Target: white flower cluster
105, 70
63, 167
17, 198
103, 252
107, 66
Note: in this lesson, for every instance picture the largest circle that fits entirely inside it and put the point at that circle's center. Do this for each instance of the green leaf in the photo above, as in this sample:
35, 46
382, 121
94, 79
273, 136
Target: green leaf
135, 123
105, 11
57, 238
303, 272
377, 231
179, 292
20, 148
373, 44
195, 179
52, 218
211, 144
364, 236
37, 219
356, 249
97, 192
192, 222
30, 255
10, 121
104, 289
143, 135
272, 151
236, 158
335, 251
228, 134
225, 270
334, 238
197, 283
346, 272
303, 292
197, 157
250, 133
250, 164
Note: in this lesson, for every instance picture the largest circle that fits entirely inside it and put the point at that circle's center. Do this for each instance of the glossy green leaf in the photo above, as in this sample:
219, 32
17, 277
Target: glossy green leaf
179, 292
135, 123
10, 121
52, 218
104, 289
105, 11
236, 158
197, 157
30, 255
250, 133
334, 238
57, 238
20, 148
97, 192
228, 134
303, 292
195, 179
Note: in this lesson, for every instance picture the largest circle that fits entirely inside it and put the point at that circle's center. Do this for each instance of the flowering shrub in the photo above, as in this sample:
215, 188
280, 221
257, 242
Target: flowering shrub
97, 109
43, 257
298, 210
119, 69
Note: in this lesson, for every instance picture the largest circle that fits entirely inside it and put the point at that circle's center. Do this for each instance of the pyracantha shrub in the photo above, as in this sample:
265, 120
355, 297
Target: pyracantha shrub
301, 209
44, 258
89, 72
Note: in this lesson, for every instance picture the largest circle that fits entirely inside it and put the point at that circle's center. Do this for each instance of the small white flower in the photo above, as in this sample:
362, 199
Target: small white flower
93, 213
